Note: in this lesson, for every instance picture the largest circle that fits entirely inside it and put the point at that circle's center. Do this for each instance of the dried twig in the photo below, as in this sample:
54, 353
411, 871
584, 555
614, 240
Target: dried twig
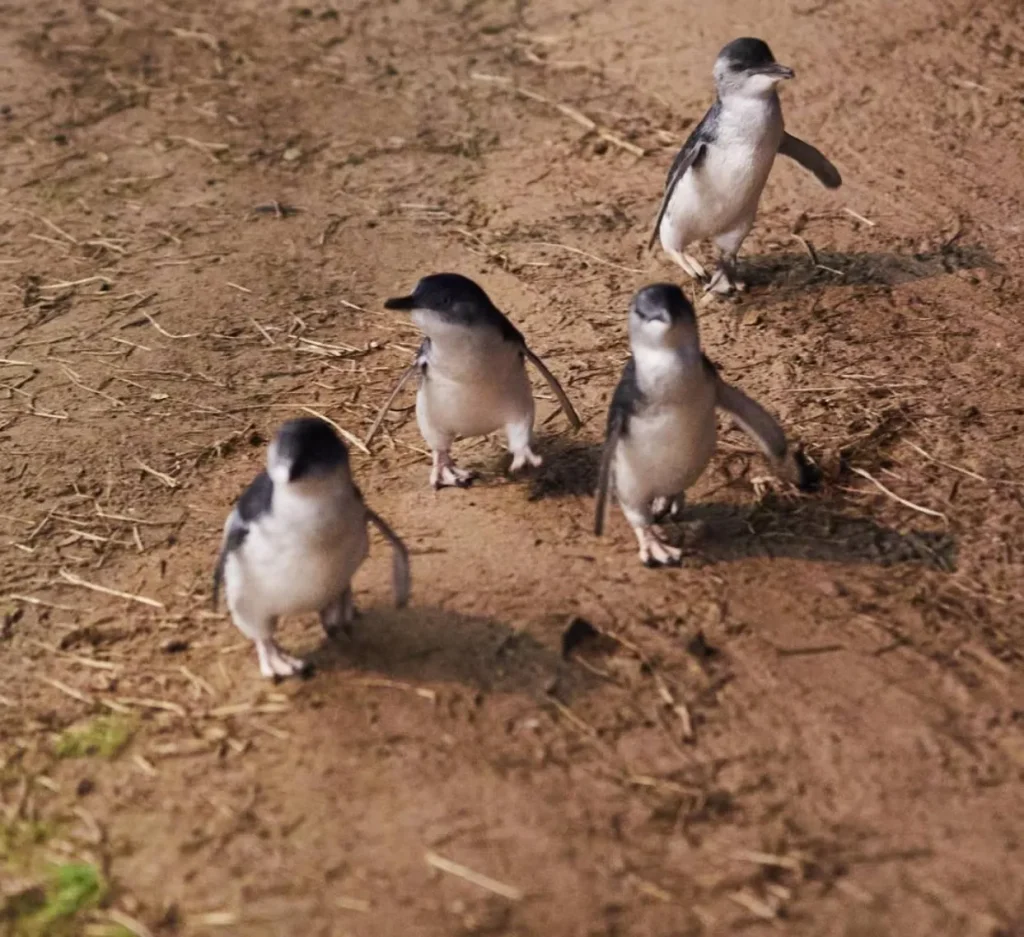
395, 685
162, 477
156, 325
769, 859
860, 218
582, 253
74, 580
68, 691
32, 600
754, 905
574, 115
210, 149
146, 703
955, 468
896, 497
467, 874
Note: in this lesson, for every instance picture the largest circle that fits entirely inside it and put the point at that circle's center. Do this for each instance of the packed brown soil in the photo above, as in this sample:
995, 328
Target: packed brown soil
815, 727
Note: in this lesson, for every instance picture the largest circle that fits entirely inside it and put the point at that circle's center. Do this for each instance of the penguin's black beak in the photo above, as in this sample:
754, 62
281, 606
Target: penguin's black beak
400, 302
775, 70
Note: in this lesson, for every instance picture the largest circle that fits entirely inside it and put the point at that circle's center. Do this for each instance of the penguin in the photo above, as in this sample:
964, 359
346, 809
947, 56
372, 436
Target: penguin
716, 179
661, 429
295, 538
473, 380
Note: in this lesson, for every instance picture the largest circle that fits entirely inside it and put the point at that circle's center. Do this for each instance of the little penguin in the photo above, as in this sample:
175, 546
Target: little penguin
473, 380
295, 538
661, 429
716, 179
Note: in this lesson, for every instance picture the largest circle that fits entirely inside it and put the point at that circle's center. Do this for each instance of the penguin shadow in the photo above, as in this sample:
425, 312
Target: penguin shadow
569, 470
797, 271
429, 645
814, 532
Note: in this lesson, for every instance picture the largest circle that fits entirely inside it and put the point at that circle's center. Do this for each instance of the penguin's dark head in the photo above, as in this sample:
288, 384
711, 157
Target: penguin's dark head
446, 297
306, 449
747, 67
661, 316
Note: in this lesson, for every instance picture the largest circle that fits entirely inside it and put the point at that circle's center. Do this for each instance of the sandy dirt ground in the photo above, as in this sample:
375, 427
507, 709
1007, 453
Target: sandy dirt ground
815, 727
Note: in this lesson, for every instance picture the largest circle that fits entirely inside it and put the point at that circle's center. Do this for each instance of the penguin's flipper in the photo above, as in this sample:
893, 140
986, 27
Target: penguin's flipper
563, 400
400, 559
691, 155
406, 374
252, 504
234, 534
811, 159
763, 429
604, 473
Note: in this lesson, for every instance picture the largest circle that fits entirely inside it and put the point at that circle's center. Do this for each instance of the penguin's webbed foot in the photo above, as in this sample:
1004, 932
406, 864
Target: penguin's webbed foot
724, 282
337, 617
667, 509
274, 662
446, 474
655, 551
451, 476
689, 264
524, 457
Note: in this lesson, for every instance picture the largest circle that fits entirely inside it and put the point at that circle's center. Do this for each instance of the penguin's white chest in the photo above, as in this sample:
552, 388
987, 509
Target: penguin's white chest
475, 383
298, 558
671, 441
722, 193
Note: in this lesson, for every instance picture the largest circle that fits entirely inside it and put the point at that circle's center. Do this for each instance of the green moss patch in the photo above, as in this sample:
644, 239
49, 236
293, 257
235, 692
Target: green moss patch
102, 737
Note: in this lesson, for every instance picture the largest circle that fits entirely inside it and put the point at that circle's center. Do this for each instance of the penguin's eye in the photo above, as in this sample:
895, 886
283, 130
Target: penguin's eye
736, 66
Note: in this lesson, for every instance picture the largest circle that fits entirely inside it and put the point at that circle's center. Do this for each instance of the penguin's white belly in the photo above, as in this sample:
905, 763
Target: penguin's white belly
285, 568
473, 404
720, 194
665, 450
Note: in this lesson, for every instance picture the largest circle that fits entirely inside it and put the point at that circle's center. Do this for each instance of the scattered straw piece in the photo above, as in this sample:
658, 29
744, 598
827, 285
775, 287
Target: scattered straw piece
237, 709
146, 703
568, 111
160, 476
205, 38
896, 497
68, 690
129, 923
145, 766
210, 149
280, 734
216, 919
259, 328
768, 859
74, 580
949, 465
860, 218
156, 325
582, 253
31, 600
649, 888
69, 283
198, 681
67, 655
754, 905
352, 904
482, 881
106, 515
396, 685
